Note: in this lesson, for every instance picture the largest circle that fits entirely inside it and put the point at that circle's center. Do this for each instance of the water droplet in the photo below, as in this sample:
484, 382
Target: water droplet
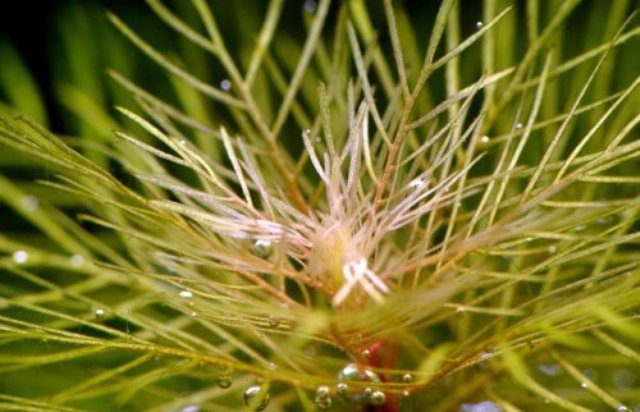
100, 314
255, 399
580, 228
552, 249
274, 322
306, 133
479, 25
20, 257
186, 294
366, 353
77, 260
261, 248
193, 314
310, 6
224, 381
485, 139
551, 369
30, 203
584, 384
378, 398
407, 378
486, 406
225, 84
622, 408
191, 408
460, 310
323, 399
518, 126
406, 394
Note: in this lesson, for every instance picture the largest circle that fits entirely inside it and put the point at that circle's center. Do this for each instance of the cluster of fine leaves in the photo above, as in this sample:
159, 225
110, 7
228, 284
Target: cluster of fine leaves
442, 197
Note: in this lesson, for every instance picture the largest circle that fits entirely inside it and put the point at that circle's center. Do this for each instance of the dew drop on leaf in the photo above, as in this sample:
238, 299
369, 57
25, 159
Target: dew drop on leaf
479, 25
190, 408
185, 294
255, 400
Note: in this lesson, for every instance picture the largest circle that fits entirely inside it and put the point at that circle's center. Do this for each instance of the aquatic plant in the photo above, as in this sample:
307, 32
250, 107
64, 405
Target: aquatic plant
354, 221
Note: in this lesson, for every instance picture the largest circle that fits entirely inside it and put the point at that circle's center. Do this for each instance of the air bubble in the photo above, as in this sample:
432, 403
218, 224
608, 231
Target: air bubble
261, 248
100, 314
76, 260
486, 406
30, 203
310, 6
550, 369
323, 399
224, 382
342, 388
407, 378
186, 294
359, 374
20, 257
225, 84
378, 398
416, 183
255, 399
274, 322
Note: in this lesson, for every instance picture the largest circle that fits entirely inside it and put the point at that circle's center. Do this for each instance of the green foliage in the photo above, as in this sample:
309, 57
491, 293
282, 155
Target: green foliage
347, 205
